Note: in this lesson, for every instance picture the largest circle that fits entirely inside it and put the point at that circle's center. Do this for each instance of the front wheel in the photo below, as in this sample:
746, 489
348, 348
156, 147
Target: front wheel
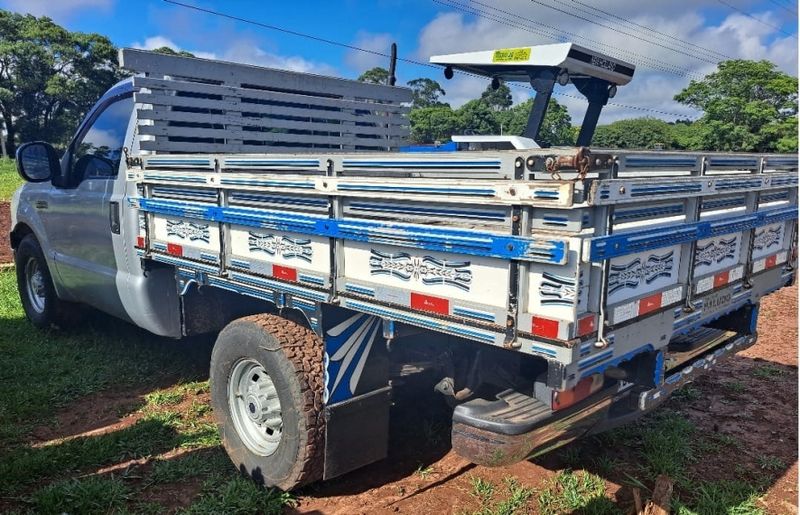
35, 284
266, 392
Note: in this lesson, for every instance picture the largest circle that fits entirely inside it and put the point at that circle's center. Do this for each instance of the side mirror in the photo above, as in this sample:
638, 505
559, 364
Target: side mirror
37, 161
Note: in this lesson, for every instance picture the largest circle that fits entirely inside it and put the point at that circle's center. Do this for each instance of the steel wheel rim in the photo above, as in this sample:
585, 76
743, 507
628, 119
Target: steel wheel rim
34, 285
255, 407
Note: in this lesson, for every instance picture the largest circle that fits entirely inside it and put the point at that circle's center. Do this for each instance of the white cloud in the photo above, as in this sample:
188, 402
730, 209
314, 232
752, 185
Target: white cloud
58, 10
245, 51
679, 24
361, 61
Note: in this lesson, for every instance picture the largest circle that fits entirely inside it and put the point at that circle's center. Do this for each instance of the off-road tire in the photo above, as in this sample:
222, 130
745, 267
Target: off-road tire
56, 312
292, 356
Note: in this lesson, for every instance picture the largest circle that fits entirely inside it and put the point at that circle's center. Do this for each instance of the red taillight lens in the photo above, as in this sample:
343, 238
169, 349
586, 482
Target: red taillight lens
583, 389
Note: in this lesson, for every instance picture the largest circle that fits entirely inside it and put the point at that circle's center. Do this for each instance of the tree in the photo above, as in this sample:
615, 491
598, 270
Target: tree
375, 75
747, 106
426, 93
477, 117
432, 124
641, 133
49, 77
556, 127
498, 99
169, 51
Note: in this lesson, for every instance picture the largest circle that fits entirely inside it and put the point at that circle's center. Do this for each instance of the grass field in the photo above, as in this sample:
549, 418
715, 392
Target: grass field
166, 437
9, 179
106, 418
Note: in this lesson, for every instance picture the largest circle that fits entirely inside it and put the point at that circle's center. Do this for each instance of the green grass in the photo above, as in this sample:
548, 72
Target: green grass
163, 398
687, 393
722, 498
735, 387
42, 372
576, 492
87, 496
9, 179
771, 463
665, 442
768, 372
666, 445
509, 499
239, 495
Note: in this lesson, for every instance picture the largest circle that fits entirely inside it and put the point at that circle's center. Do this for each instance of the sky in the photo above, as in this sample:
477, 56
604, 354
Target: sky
670, 41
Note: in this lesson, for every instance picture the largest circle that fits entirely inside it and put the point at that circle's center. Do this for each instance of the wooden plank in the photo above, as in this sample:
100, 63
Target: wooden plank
179, 116
221, 71
275, 96
233, 106
163, 145
196, 132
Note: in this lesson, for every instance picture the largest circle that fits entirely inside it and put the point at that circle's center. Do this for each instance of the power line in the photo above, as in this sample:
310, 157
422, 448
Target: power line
469, 9
723, 2
784, 6
710, 52
382, 54
615, 29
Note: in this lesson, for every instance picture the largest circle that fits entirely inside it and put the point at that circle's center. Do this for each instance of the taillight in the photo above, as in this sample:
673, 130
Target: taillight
584, 388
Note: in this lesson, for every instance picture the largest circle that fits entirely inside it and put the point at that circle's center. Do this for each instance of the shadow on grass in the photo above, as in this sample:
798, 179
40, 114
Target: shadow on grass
103, 361
24, 466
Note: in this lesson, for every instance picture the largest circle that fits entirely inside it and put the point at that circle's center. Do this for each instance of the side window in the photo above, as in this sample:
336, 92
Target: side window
97, 155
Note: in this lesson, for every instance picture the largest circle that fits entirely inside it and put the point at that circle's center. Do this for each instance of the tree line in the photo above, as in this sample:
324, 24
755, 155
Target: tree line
50, 77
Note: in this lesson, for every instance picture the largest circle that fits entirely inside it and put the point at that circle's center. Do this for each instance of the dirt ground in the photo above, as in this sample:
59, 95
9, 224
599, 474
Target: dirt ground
5, 228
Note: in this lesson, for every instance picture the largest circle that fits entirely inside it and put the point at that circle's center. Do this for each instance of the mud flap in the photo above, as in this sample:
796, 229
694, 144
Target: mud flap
356, 432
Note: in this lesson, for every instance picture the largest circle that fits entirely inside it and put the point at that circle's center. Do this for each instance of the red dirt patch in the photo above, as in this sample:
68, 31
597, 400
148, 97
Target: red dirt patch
95, 414
6, 255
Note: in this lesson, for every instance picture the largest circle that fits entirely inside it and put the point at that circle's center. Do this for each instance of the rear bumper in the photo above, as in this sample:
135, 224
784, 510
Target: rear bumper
604, 410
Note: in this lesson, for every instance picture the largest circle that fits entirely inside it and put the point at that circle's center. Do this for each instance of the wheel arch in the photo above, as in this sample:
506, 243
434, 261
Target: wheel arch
19, 232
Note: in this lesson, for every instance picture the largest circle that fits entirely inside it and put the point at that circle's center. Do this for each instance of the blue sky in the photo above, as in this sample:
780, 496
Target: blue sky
687, 38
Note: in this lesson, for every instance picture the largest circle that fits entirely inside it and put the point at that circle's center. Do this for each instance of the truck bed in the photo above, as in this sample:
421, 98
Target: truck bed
582, 258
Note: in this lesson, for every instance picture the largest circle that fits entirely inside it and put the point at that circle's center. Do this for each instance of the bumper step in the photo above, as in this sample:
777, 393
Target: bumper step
512, 413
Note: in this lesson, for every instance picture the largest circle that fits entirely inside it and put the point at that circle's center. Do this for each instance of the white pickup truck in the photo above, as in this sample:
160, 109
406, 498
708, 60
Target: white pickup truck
548, 292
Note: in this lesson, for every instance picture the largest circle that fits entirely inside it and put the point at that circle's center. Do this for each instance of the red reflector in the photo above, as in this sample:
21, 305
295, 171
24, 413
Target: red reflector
140, 242
771, 261
586, 325
721, 279
428, 303
648, 304
584, 388
545, 327
284, 272
174, 249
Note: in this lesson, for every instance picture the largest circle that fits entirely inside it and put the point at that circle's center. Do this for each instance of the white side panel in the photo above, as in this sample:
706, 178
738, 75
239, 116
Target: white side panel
468, 278
768, 239
638, 274
717, 253
558, 292
190, 234
300, 251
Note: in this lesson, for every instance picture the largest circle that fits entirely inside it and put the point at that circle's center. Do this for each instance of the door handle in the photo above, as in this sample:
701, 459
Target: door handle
113, 216
41, 204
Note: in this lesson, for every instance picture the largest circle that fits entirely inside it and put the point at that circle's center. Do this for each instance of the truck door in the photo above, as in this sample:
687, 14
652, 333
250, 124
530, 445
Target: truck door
81, 218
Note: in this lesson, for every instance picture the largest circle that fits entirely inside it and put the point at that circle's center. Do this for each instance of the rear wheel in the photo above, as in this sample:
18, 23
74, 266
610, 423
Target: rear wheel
266, 391
35, 284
